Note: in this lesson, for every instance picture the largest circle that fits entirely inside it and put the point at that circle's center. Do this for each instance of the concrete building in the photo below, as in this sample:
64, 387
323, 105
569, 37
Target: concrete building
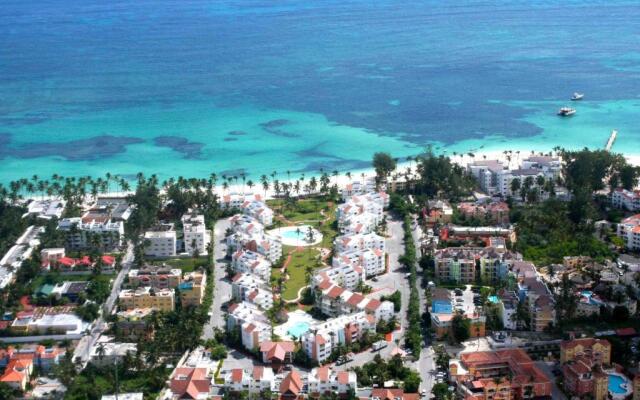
249, 288
467, 265
501, 374
626, 199
257, 380
324, 380
582, 367
192, 289
320, 341
161, 241
48, 320
156, 276
251, 262
147, 297
190, 383
359, 242
106, 351
83, 233
196, 235
629, 230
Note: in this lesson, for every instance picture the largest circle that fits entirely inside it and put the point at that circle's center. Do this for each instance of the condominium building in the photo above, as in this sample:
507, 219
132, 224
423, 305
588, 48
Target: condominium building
535, 295
496, 212
250, 288
468, 264
324, 380
500, 374
157, 276
252, 323
82, 233
371, 261
626, 199
251, 262
160, 242
582, 367
147, 297
192, 289
361, 242
334, 300
346, 275
324, 337
629, 231
196, 235
255, 381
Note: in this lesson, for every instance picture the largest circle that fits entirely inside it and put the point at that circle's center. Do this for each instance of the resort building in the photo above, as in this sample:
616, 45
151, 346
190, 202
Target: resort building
116, 208
371, 261
477, 233
358, 242
550, 166
190, 383
626, 199
256, 381
250, 288
46, 209
358, 188
160, 242
196, 235
334, 301
345, 275
501, 374
277, 353
325, 336
582, 367
83, 233
156, 276
252, 323
192, 289
469, 264
324, 380
251, 262
44, 358
629, 231
147, 297
392, 394
489, 175
248, 234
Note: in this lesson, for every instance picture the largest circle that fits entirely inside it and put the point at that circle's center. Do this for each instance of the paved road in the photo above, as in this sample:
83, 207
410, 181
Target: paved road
426, 364
83, 350
222, 290
556, 393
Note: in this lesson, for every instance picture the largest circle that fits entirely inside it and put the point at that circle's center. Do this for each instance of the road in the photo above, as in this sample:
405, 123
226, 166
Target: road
222, 289
83, 350
426, 364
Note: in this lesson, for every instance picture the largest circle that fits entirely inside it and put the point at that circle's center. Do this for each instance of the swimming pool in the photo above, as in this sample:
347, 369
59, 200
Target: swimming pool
587, 294
298, 235
493, 299
298, 329
619, 386
441, 307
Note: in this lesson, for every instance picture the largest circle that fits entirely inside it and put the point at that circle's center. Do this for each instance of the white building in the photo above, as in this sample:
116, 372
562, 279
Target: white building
345, 275
251, 262
358, 188
80, 233
629, 231
248, 234
46, 209
258, 380
372, 262
160, 242
365, 241
196, 235
253, 324
324, 380
249, 288
627, 199
325, 336
105, 351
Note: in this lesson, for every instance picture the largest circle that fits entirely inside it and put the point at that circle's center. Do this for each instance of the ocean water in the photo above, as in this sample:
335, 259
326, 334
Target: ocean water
192, 87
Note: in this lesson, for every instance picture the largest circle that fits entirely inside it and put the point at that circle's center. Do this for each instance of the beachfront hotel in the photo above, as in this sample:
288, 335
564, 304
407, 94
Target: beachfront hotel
80, 231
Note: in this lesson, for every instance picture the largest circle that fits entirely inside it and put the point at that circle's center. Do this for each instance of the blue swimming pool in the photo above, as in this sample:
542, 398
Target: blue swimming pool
441, 307
615, 384
292, 234
494, 299
589, 296
298, 329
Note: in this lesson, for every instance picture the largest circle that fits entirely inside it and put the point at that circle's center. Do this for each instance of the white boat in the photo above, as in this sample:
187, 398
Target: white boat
577, 96
566, 111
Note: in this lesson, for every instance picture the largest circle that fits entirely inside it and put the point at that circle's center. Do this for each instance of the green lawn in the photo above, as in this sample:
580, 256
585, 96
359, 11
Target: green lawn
187, 264
296, 272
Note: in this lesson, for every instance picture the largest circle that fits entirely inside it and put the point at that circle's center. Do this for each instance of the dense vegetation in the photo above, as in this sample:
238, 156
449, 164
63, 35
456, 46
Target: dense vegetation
380, 371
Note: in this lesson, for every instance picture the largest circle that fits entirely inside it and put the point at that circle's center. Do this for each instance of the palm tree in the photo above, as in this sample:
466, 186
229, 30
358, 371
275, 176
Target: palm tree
250, 184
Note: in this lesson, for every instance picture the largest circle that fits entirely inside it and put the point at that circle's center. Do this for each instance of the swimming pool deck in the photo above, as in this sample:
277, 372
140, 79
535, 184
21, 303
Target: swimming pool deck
289, 235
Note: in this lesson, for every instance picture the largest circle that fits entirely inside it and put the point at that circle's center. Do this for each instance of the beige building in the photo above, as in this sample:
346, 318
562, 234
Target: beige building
192, 289
161, 277
146, 297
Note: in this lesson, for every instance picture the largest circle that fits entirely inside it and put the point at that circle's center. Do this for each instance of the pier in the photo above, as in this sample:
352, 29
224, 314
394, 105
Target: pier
612, 139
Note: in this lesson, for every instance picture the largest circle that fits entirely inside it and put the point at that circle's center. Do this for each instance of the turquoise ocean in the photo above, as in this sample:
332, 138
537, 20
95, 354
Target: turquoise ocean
191, 87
